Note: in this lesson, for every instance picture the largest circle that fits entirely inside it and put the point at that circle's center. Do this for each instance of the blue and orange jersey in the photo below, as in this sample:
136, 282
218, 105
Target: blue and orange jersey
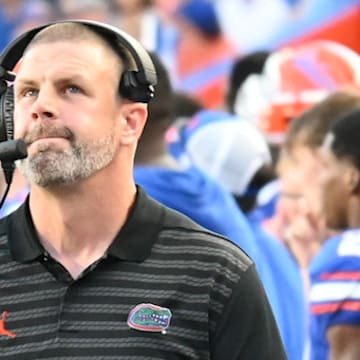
335, 289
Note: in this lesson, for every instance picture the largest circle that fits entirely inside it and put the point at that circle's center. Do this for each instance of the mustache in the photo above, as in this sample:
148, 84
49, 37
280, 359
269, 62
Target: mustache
40, 131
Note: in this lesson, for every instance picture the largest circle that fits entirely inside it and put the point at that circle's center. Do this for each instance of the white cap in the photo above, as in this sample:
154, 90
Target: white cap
229, 150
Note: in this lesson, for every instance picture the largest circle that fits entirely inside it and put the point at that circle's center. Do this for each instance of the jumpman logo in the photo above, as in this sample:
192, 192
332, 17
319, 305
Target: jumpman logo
3, 330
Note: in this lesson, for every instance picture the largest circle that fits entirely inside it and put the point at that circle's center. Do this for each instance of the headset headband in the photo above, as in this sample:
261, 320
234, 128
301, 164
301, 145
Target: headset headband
145, 72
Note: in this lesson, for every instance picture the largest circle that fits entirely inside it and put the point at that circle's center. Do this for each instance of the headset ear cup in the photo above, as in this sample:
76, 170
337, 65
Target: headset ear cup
131, 88
7, 115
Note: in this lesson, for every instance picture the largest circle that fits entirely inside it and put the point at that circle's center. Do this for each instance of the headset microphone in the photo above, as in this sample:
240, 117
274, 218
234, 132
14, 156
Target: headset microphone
12, 150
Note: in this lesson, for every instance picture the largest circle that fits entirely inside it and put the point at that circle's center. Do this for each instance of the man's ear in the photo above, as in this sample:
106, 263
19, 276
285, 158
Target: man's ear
133, 118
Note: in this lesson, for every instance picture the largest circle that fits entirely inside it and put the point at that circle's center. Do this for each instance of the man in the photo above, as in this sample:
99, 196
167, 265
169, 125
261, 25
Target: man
331, 336
91, 267
303, 141
335, 291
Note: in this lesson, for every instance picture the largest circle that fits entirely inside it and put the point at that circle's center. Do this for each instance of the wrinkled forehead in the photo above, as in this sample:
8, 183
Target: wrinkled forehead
71, 57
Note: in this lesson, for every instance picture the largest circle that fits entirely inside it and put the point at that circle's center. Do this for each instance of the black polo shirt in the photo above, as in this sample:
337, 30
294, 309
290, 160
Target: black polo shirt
166, 289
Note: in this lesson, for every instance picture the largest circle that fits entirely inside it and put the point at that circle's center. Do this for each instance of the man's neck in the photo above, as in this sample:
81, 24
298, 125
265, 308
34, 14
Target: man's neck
76, 227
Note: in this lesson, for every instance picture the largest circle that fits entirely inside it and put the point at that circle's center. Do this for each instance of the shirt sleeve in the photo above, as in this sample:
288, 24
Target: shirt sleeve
247, 329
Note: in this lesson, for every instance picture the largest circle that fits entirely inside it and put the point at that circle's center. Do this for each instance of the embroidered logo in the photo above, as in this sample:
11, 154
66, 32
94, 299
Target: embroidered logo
149, 317
3, 330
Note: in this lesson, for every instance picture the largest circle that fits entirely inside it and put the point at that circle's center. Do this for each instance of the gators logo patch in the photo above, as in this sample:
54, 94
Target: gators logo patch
149, 317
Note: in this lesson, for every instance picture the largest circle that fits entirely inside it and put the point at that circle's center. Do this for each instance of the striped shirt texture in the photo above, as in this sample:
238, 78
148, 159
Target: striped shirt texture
165, 289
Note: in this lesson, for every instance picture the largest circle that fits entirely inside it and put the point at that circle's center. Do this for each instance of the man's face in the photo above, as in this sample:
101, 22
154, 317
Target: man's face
67, 111
309, 167
291, 203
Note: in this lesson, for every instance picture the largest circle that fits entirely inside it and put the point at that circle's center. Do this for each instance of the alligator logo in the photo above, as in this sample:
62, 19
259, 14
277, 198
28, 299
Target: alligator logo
149, 317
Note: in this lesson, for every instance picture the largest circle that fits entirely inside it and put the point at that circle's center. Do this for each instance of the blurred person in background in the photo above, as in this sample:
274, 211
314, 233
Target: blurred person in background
308, 229
185, 107
291, 207
204, 55
298, 221
335, 297
184, 187
236, 155
248, 68
293, 79
306, 133
243, 66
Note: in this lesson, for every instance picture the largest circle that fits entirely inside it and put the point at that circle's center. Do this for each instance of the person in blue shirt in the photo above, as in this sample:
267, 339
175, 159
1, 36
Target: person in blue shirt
326, 161
335, 295
185, 187
234, 153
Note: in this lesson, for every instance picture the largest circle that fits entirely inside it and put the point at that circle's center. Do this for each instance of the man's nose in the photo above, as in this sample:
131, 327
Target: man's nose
45, 107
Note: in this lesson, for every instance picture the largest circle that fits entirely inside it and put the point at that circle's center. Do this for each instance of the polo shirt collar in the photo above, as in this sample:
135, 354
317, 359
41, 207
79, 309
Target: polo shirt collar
133, 242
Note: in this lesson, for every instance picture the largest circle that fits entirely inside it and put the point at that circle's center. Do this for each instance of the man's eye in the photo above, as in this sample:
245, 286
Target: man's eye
73, 89
30, 92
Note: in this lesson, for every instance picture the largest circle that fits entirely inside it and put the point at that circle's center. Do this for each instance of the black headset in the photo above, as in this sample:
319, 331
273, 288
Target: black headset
136, 84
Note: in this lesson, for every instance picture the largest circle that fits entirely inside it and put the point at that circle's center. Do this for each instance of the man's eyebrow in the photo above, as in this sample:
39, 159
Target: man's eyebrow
61, 80
24, 81
69, 80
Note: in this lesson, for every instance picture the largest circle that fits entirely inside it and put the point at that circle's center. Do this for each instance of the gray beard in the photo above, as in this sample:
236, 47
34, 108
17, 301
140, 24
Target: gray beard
52, 167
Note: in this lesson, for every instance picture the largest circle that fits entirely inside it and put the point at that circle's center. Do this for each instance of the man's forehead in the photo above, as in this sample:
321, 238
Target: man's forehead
302, 152
66, 52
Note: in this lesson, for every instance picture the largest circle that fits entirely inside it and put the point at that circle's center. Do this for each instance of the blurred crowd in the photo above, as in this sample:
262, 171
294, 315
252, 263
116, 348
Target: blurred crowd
260, 146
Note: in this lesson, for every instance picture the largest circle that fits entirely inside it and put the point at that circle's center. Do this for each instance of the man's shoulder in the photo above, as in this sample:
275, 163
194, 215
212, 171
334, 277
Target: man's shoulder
339, 252
334, 275
178, 229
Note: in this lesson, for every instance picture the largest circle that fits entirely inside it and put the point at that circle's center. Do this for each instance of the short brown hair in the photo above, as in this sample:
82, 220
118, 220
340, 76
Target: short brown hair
310, 128
72, 31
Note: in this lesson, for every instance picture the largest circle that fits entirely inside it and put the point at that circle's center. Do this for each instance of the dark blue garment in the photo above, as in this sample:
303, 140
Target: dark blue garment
194, 194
